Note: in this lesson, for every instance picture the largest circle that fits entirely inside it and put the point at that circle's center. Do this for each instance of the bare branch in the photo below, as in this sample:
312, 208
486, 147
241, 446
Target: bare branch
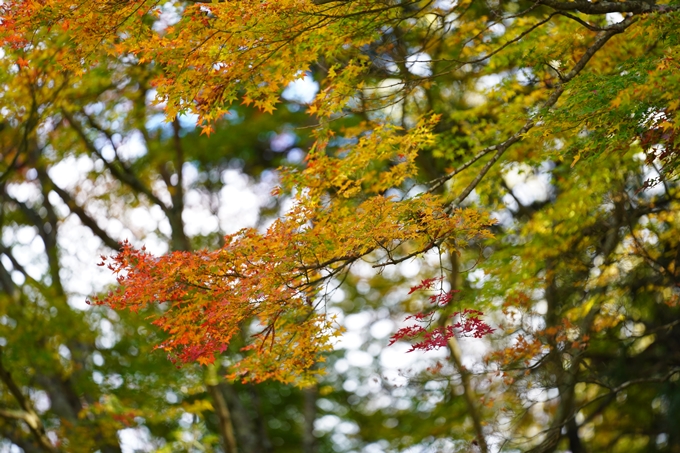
80, 212
602, 7
27, 414
124, 175
223, 414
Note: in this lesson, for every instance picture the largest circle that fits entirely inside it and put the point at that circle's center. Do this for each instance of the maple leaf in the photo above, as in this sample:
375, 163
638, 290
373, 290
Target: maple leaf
425, 284
207, 129
268, 107
607, 94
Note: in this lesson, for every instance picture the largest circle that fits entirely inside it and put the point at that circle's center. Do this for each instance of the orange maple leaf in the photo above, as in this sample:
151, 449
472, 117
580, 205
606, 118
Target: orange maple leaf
207, 130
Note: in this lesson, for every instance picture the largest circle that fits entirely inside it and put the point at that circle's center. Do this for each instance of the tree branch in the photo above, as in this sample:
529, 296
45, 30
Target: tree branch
80, 212
124, 175
309, 397
316, 2
180, 241
605, 7
27, 414
457, 359
600, 41
221, 409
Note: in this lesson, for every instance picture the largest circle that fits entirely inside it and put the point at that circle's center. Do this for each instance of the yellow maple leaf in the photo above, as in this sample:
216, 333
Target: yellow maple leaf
268, 107
207, 130
665, 125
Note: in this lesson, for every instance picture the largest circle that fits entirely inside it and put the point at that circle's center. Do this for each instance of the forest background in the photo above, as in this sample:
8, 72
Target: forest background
503, 172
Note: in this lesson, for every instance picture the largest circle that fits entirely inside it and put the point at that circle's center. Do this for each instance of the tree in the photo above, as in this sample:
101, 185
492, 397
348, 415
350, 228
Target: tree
86, 380
432, 121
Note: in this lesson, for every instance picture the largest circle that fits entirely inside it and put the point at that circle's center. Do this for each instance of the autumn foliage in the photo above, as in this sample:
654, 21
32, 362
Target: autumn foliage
522, 156
271, 285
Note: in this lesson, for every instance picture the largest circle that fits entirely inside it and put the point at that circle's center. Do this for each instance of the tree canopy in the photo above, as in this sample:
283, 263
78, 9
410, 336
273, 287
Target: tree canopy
497, 179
